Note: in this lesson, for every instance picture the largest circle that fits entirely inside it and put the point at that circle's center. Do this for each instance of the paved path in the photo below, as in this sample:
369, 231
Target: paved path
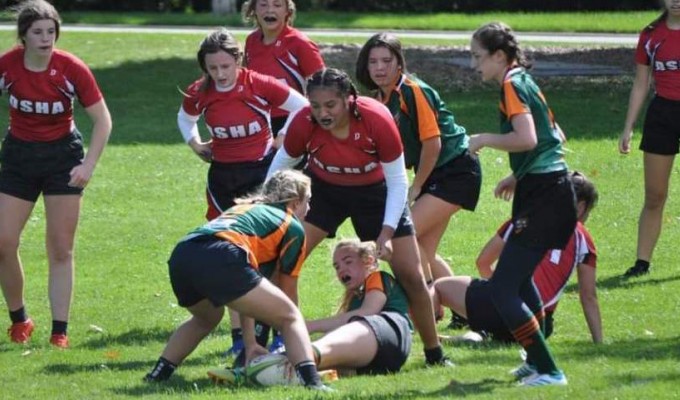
545, 68
552, 37
554, 68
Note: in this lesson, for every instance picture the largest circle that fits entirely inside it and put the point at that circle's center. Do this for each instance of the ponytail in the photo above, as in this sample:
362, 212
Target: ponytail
654, 24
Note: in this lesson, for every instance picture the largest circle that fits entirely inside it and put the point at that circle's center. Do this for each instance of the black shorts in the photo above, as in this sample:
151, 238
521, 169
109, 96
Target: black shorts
229, 181
661, 131
331, 205
543, 211
482, 315
30, 168
206, 267
457, 182
277, 123
393, 333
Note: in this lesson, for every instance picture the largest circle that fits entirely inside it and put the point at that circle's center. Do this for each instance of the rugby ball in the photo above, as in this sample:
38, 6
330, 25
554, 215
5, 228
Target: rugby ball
272, 370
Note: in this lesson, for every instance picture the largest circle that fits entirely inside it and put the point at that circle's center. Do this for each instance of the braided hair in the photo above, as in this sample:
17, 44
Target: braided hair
333, 78
499, 36
282, 187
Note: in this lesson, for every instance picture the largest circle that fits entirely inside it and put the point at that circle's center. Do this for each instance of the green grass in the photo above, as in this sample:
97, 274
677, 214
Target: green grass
623, 22
148, 191
604, 21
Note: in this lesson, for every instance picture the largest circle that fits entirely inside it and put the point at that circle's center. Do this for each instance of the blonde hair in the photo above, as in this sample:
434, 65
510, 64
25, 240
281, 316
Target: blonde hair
248, 12
365, 250
283, 186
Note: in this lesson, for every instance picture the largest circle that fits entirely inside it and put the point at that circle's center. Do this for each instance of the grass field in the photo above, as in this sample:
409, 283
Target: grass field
148, 191
604, 21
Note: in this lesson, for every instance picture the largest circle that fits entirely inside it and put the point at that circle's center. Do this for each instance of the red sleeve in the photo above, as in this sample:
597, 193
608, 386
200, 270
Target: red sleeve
591, 257
86, 87
3, 63
247, 46
309, 57
190, 101
641, 56
6, 62
297, 135
276, 93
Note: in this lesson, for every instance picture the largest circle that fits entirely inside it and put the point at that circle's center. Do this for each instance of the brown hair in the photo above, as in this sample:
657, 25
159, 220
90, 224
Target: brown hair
248, 12
219, 40
382, 39
496, 36
585, 189
29, 11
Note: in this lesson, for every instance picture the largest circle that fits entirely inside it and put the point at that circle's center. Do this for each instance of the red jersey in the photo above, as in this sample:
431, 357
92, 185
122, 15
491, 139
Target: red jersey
41, 103
354, 161
238, 119
660, 48
290, 59
555, 269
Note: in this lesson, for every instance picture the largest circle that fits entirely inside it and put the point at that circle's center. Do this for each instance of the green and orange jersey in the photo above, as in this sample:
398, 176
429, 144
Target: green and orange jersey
421, 115
271, 235
384, 282
521, 95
